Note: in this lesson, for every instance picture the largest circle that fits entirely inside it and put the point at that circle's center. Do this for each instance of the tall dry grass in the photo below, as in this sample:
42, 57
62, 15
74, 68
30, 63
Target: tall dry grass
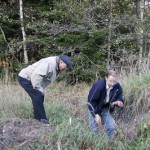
66, 108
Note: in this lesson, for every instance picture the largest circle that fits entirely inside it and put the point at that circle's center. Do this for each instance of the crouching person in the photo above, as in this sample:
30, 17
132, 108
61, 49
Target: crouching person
104, 95
35, 78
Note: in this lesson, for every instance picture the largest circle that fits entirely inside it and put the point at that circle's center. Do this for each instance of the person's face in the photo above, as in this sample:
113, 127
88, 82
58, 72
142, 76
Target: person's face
62, 66
110, 81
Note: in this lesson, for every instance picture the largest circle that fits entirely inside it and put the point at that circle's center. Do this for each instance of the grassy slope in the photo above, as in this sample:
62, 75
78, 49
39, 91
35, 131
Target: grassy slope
67, 112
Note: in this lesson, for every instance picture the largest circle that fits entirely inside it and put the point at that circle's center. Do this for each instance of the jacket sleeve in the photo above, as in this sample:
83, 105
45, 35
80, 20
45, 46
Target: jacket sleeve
93, 98
119, 95
38, 75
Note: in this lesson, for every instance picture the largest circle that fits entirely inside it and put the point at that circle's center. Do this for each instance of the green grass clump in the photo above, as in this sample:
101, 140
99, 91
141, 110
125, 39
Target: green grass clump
134, 85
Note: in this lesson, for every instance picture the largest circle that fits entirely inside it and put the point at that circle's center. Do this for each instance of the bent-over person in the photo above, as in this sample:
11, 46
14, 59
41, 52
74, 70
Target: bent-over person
36, 77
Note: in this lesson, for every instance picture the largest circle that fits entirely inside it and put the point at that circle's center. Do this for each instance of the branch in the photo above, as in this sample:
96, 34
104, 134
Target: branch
5, 38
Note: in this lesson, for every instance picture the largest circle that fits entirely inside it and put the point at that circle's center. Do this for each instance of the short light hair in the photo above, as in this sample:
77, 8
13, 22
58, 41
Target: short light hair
111, 73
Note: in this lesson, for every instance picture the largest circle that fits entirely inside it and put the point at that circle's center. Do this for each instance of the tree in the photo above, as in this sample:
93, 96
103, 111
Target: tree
23, 33
141, 15
109, 37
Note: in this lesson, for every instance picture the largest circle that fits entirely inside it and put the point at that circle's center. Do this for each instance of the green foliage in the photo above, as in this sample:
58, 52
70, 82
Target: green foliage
142, 142
2, 46
56, 113
24, 110
75, 136
134, 86
145, 129
71, 39
56, 27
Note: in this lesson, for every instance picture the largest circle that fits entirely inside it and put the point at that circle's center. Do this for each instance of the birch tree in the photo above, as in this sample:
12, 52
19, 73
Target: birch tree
23, 32
141, 10
109, 37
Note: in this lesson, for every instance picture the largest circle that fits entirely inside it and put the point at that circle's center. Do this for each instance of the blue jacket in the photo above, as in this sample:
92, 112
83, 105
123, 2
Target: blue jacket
97, 96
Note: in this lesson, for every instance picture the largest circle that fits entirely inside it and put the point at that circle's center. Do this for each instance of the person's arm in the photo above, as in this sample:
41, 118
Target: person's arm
119, 98
38, 74
93, 98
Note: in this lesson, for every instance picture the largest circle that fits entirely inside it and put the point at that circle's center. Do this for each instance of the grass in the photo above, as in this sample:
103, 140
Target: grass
66, 108
133, 85
136, 92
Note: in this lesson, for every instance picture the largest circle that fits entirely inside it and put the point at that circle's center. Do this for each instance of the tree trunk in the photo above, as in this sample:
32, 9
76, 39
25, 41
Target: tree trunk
23, 33
141, 10
109, 37
91, 8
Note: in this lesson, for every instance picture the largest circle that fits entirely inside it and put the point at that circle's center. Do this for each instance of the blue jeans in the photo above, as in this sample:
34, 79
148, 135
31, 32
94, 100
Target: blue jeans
108, 123
36, 96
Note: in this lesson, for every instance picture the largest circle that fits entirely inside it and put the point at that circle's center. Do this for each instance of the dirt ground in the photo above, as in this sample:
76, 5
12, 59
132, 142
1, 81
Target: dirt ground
18, 133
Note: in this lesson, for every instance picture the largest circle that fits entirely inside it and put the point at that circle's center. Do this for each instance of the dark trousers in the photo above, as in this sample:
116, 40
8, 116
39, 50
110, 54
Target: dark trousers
36, 96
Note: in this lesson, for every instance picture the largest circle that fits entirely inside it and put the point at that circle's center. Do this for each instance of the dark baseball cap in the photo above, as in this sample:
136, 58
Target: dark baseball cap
67, 60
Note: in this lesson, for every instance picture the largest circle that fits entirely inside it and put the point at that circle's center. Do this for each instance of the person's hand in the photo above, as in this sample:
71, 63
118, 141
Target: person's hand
118, 103
98, 120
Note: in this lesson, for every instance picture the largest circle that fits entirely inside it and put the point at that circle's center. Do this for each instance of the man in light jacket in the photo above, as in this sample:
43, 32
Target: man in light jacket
35, 78
104, 95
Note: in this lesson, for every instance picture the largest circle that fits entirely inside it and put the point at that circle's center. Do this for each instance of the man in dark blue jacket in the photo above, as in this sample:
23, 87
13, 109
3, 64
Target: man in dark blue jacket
104, 95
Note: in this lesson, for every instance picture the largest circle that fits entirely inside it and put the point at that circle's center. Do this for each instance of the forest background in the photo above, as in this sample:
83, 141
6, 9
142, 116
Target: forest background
97, 35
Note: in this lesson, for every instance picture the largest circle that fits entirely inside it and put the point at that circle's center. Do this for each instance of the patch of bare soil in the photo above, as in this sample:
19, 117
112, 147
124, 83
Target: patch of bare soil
17, 133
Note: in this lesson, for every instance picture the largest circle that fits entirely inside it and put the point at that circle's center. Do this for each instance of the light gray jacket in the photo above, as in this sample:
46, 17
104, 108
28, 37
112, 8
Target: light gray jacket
41, 73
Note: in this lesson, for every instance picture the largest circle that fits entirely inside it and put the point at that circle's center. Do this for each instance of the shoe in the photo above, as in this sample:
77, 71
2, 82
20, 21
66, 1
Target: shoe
44, 121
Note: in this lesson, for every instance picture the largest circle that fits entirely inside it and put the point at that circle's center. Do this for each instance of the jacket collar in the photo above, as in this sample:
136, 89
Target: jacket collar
106, 86
57, 64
